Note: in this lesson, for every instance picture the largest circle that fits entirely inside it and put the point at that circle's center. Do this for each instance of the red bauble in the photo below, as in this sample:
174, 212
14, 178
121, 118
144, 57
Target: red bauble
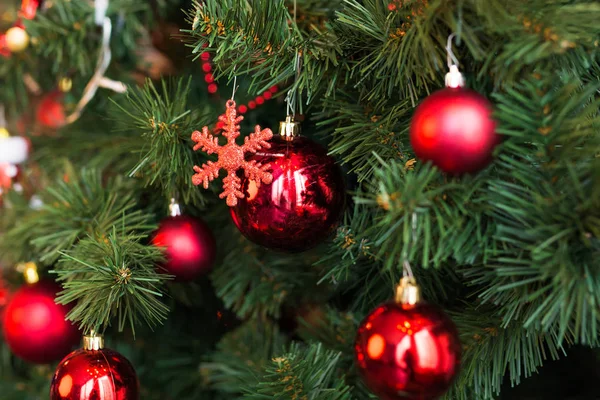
303, 204
34, 326
408, 352
453, 128
190, 247
95, 375
51, 111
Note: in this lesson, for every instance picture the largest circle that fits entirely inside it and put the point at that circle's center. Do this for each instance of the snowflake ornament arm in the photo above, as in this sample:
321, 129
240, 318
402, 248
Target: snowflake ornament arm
257, 140
206, 174
205, 141
231, 156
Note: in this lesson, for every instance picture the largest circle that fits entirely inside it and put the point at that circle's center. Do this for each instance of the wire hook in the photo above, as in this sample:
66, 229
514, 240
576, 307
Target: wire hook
235, 85
451, 58
406, 268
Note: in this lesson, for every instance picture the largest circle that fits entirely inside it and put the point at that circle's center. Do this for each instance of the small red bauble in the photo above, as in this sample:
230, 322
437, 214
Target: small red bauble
302, 205
51, 111
453, 128
190, 246
34, 326
101, 374
408, 351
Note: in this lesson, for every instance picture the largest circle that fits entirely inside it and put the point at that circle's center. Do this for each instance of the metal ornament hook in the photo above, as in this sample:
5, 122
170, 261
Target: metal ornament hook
235, 86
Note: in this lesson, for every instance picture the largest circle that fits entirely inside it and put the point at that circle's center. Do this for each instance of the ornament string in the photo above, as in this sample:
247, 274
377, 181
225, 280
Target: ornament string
98, 79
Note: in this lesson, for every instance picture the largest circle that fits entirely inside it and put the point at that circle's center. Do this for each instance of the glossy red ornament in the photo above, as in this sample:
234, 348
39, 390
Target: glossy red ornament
303, 204
95, 375
34, 326
408, 352
453, 128
50, 111
190, 246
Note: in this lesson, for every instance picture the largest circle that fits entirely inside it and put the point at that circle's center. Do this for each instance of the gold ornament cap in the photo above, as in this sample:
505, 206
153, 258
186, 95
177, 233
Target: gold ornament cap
29, 271
289, 128
93, 342
408, 292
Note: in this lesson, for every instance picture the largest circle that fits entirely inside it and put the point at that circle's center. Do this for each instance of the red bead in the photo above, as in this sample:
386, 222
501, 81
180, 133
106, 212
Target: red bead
303, 204
51, 111
34, 326
273, 89
95, 375
408, 352
267, 95
190, 247
205, 56
212, 88
206, 67
252, 104
208, 78
454, 129
260, 100
242, 109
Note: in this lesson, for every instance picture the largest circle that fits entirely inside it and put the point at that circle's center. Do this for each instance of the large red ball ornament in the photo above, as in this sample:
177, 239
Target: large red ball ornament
408, 352
190, 247
453, 128
95, 374
34, 326
303, 204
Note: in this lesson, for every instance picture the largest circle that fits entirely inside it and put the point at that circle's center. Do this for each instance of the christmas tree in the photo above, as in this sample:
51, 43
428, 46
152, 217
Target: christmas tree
299, 199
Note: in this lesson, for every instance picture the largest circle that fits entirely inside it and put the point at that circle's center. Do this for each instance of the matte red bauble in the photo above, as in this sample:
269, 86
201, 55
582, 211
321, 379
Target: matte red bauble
303, 204
408, 352
453, 128
51, 111
190, 246
94, 374
34, 326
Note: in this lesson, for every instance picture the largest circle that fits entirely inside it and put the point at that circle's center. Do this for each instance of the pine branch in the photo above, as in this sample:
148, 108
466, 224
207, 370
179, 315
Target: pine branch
309, 372
425, 218
492, 351
257, 39
65, 34
161, 116
359, 131
114, 277
257, 283
78, 205
242, 355
545, 204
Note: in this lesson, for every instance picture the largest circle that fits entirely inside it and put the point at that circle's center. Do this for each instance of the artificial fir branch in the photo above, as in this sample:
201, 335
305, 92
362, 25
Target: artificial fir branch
491, 351
112, 278
360, 132
544, 273
257, 283
79, 204
242, 355
292, 375
425, 219
161, 116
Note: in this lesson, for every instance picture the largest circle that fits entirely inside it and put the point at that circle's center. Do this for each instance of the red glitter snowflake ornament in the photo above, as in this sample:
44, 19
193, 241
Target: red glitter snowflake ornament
231, 156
